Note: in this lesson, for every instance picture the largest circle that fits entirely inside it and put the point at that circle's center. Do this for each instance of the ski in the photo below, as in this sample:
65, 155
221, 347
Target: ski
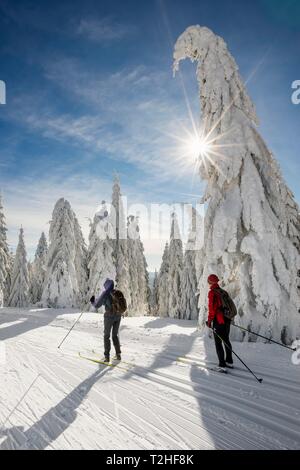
99, 361
201, 366
117, 360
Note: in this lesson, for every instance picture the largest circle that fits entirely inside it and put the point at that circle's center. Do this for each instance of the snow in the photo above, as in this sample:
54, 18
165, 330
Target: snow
53, 399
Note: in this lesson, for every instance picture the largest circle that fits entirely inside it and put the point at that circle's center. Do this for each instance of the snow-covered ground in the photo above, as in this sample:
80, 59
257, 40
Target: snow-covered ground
157, 404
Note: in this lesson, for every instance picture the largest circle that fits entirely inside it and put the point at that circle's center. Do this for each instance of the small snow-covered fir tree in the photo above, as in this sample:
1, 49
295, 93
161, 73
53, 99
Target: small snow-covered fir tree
163, 284
66, 275
4, 259
139, 281
189, 298
154, 295
101, 262
175, 270
11, 261
19, 292
38, 270
120, 243
252, 220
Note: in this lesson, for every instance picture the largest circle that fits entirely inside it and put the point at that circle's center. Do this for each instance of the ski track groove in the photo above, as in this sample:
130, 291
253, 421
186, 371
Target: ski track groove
188, 418
257, 371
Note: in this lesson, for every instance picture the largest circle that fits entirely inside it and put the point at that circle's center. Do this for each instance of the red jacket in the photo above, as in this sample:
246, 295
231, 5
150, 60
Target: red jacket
214, 305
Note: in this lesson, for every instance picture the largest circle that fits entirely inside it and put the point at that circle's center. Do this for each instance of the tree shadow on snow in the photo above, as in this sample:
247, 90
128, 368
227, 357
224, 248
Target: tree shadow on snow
27, 320
165, 322
53, 423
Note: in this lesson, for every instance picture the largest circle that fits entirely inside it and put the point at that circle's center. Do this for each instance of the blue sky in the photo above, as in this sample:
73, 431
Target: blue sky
90, 92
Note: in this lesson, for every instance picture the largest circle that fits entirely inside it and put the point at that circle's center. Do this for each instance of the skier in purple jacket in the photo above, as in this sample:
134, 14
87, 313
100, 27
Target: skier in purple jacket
112, 319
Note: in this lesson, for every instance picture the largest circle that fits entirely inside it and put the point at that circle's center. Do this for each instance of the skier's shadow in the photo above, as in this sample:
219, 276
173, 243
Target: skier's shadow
168, 355
53, 423
211, 424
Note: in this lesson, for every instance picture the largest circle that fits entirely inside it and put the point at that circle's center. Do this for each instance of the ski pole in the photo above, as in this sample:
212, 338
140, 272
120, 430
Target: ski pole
259, 380
70, 330
269, 339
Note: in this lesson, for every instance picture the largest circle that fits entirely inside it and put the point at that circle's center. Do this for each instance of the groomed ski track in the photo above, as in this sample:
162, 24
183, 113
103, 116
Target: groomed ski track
53, 399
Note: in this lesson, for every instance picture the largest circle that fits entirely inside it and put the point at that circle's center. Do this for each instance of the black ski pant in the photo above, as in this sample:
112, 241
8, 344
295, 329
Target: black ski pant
111, 324
221, 336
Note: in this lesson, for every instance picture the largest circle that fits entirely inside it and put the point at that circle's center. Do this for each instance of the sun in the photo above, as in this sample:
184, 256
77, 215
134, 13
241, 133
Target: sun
198, 147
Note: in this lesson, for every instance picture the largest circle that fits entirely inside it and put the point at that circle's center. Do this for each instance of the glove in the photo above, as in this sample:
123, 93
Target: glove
92, 299
208, 324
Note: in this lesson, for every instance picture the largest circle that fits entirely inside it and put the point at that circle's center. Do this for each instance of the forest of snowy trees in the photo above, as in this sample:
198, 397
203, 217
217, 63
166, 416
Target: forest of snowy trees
67, 272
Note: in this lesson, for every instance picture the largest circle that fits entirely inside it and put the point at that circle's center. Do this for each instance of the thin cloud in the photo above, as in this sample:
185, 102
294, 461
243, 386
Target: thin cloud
103, 30
124, 116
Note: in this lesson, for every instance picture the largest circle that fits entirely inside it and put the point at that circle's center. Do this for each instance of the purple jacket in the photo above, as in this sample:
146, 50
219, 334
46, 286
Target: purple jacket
108, 288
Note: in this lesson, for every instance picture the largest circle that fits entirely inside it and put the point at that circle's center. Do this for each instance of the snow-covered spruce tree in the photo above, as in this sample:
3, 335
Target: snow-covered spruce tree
154, 296
175, 270
163, 284
101, 262
19, 292
11, 262
120, 244
4, 259
252, 220
38, 270
66, 275
189, 297
139, 280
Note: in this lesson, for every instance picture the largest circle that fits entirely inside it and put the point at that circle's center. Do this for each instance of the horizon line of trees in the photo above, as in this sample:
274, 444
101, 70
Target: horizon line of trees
66, 272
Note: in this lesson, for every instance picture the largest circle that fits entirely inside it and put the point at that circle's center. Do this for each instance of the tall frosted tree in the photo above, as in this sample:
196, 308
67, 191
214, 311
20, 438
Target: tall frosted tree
101, 262
252, 220
5, 271
66, 275
11, 262
190, 296
120, 244
38, 270
139, 280
19, 292
154, 296
175, 270
163, 284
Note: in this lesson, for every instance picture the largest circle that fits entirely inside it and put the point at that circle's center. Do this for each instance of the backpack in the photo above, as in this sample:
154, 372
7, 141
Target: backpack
229, 309
119, 304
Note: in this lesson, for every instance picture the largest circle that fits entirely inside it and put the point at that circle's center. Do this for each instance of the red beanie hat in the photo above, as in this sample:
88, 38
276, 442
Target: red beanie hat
213, 279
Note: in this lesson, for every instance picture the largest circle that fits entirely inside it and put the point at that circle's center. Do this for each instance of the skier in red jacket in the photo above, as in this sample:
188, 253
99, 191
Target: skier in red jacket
220, 324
